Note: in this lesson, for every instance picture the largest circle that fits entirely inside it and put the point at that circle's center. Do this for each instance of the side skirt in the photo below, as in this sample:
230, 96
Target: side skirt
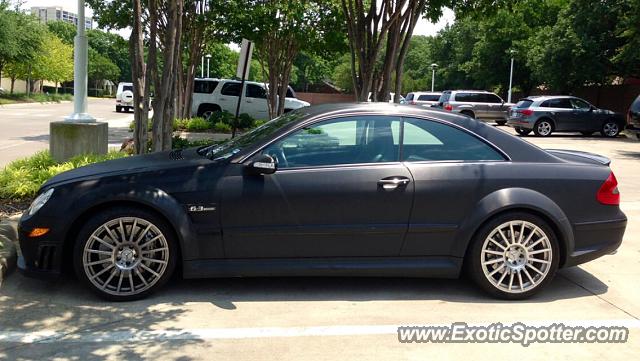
436, 267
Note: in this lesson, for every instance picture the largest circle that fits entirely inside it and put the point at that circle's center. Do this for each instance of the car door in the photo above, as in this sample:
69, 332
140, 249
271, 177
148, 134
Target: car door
494, 106
448, 165
480, 107
339, 191
255, 102
228, 99
202, 93
561, 110
582, 117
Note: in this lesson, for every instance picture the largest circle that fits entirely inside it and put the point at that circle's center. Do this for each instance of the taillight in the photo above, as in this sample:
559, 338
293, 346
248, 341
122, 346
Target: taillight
608, 193
413, 102
448, 107
526, 112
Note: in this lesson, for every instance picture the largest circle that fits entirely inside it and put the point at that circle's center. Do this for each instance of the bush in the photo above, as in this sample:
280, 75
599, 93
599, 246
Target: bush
221, 127
181, 143
259, 122
197, 125
245, 121
22, 178
221, 117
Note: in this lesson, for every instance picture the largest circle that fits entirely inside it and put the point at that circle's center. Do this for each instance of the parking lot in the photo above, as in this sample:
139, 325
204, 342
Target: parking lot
332, 318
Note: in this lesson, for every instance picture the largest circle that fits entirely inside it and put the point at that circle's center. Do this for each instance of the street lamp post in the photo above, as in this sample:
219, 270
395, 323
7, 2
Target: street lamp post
79, 133
434, 66
202, 67
512, 53
208, 56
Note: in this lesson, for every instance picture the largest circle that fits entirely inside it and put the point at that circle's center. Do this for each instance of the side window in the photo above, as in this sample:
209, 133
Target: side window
290, 93
256, 91
463, 97
559, 103
230, 89
580, 104
426, 140
352, 140
410, 96
204, 86
546, 104
492, 98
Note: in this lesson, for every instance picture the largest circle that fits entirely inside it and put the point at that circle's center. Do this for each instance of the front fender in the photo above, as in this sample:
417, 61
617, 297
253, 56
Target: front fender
515, 199
144, 196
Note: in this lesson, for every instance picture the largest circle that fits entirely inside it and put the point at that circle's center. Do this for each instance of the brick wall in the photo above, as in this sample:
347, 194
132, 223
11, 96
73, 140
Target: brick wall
322, 98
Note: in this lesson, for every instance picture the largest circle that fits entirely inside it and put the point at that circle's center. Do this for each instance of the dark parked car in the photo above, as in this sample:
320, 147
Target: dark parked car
547, 114
633, 118
358, 190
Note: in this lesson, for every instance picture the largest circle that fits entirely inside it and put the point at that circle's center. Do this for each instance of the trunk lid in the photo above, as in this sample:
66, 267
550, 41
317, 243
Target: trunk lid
579, 156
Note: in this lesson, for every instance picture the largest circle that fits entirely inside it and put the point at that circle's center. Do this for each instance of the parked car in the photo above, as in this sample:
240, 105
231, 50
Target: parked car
124, 97
332, 190
215, 95
547, 114
633, 118
479, 104
423, 98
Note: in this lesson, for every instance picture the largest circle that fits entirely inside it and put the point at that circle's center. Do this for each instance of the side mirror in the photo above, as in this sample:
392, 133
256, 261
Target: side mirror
263, 164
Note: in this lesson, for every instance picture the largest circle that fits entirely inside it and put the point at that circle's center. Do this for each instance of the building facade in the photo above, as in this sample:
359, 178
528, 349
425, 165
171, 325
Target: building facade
57, 13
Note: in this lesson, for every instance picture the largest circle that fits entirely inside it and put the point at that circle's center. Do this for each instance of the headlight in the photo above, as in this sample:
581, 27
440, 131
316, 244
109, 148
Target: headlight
39, 202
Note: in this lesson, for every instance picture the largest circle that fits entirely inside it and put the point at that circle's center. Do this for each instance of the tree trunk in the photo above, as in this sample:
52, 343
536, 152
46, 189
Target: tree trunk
13, 83
414, 16
136, 53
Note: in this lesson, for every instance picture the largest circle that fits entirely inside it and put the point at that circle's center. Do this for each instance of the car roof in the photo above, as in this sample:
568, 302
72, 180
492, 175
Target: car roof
546, 97
428, 93
468, 91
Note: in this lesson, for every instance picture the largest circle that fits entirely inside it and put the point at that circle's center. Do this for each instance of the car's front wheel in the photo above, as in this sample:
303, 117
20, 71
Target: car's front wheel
610, 129
125, 253
513, 256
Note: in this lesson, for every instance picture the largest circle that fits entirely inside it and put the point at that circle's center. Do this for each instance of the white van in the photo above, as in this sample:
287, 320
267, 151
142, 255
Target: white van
124, 97
214, 95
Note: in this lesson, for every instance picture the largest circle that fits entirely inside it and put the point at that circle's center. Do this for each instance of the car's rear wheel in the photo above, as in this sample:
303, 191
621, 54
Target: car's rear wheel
514, 256
125, 254
208, 111
523, 131
610, 129
468, 113
118, 109
543, 128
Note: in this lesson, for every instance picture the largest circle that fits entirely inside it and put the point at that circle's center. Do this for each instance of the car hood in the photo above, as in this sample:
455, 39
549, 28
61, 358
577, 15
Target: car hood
128, 165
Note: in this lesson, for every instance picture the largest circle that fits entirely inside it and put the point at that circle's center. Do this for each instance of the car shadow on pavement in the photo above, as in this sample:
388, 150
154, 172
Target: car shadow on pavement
30, 305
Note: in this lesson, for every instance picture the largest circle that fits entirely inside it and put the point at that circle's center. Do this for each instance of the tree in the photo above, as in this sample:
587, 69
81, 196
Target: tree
55, 62
101, 68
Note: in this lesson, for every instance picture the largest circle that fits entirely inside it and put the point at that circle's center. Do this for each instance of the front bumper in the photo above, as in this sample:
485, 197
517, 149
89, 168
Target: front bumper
40, 257
596, 239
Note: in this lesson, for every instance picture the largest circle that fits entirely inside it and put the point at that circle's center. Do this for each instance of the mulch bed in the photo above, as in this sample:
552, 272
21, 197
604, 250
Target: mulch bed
9, 207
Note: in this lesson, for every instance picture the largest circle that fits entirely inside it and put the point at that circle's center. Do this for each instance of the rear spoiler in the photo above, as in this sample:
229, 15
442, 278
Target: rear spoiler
576, 153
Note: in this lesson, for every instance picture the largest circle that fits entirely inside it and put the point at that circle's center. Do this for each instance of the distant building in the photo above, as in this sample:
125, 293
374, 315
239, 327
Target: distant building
57, 13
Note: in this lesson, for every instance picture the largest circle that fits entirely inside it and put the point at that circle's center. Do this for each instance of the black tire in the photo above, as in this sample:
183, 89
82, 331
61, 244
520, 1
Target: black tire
586, 134
118, 109
543, 128
474, 257
206, 110
610, 129
95, 223
501, 122
468, 113
523, 132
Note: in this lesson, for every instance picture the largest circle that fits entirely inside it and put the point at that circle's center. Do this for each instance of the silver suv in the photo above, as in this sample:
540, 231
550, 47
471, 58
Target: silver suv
479, 104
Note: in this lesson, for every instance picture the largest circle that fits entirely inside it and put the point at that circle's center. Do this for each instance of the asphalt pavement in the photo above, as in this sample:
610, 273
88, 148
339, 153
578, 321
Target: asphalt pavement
24, 128
332, 318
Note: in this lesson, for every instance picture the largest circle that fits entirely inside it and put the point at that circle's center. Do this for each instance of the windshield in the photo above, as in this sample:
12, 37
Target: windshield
234, 146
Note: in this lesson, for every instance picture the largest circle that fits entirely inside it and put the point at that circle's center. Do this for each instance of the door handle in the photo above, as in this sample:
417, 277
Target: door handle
393, 182
222, 98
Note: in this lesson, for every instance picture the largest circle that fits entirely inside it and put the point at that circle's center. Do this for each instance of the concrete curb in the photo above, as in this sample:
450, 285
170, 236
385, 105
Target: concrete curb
8, 250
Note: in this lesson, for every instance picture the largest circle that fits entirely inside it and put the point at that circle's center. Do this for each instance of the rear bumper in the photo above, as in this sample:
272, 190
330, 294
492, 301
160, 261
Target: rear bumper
595, 239
522, 123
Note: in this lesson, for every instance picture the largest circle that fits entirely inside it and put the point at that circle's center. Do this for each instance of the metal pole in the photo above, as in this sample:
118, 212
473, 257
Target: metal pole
510, 82
244, 72
208, 59
433, 78
202, 67
80, 74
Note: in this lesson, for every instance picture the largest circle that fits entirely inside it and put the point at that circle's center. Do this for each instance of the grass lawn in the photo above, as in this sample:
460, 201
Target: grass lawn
33, 98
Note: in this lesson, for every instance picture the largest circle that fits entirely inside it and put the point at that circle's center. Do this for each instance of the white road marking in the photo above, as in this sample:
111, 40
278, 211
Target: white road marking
50, 336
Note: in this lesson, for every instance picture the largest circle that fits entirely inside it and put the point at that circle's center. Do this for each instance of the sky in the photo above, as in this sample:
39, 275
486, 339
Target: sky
423, 27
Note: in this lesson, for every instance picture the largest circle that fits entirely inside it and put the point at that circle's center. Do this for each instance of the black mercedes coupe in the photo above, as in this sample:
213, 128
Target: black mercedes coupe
331, 190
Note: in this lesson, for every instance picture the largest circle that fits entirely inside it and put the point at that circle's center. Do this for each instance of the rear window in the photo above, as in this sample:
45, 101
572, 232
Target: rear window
410, 96
444, 97
127, 87
524, 103
429, 97
204, 86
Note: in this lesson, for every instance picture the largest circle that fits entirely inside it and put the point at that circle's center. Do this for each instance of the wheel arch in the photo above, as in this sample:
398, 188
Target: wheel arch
206, 106
546, 117
171, 216
516, 200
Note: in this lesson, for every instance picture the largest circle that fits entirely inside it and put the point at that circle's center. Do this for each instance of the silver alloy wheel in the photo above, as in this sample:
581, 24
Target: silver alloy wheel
516, 256
125, 256
544, 128
207, 114
610, 129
